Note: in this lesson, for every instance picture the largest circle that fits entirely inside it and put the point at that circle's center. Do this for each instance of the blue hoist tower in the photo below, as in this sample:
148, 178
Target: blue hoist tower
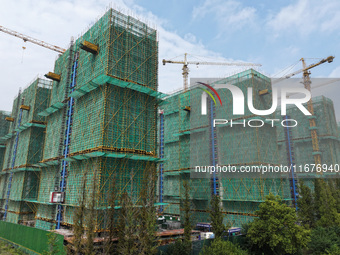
293, 182
213, 149
68, 132
14, 154
161, 156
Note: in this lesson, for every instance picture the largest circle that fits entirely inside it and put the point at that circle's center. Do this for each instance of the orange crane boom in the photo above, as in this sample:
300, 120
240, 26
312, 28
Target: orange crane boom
32, 40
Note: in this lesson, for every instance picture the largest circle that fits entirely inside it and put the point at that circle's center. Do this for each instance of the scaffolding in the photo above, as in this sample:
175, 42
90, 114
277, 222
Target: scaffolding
24, 142
190, 139
291, 162
113, 124
4, 127
96, 124
13, 158
36, 96
327, 130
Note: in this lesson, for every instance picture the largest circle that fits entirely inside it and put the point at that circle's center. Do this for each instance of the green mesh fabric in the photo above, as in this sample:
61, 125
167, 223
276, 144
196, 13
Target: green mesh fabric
47, 182
17, 186
187, 138
3, 186
327, 130
119, 116
53, 130
37, 97
4, 125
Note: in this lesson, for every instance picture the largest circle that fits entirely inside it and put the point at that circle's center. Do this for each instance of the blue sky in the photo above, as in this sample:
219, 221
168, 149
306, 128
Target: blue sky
275, 34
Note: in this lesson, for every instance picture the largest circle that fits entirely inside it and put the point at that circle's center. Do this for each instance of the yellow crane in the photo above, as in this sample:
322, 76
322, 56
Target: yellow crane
307, 82
32, 40
185, 68
312, 124
304, 68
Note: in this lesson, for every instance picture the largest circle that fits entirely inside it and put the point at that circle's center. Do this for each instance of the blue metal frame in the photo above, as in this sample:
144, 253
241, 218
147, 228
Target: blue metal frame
213, 143
67, 141
291, 163
161, 155
12, 165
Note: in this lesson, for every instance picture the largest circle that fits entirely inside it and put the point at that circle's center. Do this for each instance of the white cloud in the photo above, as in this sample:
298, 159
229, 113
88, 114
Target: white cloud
335, 73
56, 21
307, 16
230, 15
172, 45
51, 21
190, 38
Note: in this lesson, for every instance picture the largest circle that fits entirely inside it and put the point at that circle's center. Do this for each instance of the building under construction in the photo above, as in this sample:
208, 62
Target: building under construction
100, 118
190, 139
96, 120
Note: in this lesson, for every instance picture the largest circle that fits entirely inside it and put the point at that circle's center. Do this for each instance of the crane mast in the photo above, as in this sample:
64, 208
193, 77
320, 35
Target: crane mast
185, 72
307, 84
312, 124
185, 69
32, 40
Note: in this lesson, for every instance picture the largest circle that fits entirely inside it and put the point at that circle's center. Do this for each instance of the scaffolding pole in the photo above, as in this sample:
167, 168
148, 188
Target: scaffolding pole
13, 161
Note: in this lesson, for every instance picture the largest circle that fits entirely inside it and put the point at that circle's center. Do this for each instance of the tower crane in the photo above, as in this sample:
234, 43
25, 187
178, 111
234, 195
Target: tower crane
185, 68
304, 68
32, 40
307, 82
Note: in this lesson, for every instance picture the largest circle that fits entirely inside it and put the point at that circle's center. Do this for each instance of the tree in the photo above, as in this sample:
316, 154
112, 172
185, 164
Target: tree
317, 200
275, 230
325, 205
52, 243
220, 247
90, 219
334, 185
147, 235
306, 212
111, 223
127, 225
324, 239
216, 217
333, 250
177, 248
247, 244
187, 217
78, 226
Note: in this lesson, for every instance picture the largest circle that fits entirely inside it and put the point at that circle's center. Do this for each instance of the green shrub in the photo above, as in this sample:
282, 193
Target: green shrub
220, 247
